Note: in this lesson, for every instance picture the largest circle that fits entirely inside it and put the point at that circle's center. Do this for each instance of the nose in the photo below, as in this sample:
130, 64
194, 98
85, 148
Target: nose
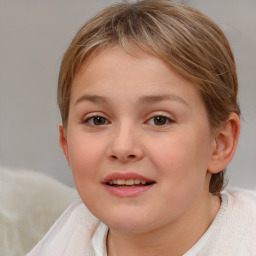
126, 145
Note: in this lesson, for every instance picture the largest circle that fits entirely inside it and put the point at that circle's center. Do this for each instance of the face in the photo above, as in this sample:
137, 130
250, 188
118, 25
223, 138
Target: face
138, 141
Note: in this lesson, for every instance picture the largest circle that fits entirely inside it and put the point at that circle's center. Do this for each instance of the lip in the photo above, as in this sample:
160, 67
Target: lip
125, 176
123, 191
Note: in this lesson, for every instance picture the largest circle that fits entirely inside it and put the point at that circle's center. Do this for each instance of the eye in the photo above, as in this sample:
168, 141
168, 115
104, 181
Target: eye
160, 120
96, 121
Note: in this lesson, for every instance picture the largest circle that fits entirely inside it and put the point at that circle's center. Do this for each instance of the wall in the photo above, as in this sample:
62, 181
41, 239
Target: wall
34, 36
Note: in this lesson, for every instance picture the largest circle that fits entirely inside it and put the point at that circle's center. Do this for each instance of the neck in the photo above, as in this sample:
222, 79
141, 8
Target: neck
173, 239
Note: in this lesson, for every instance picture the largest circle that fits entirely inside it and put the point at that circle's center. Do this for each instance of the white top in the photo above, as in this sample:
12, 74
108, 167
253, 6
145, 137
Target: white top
232, 233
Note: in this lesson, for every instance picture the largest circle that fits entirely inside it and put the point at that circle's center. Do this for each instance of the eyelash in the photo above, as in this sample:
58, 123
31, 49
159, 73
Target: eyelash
165, 119
93, 118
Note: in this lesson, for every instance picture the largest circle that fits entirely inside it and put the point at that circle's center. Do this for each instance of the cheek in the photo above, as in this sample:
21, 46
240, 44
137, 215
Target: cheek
181, 157
85, 154
181, 161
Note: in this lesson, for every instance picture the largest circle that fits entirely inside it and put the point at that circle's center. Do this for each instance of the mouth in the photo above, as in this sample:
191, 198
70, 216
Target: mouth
128, 183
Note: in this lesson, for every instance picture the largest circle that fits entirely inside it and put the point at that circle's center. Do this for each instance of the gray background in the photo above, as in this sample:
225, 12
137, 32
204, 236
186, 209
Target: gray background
33, 37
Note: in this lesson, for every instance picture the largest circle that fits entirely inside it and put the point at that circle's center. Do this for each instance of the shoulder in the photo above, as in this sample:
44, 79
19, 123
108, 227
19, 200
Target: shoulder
241, 198
240, 220
235, 231
241, 206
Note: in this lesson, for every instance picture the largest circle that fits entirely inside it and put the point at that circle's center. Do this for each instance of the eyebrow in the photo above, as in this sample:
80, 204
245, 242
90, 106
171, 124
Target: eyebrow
158, 98
93, 99
149, 99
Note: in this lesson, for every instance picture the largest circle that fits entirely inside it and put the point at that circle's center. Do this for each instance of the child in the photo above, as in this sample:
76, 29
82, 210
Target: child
148, 98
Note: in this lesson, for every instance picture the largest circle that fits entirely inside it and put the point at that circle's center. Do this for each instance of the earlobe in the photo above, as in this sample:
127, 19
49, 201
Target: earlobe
63, 142
226, 139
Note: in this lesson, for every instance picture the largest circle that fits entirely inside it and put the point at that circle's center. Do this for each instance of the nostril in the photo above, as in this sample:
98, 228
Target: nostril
131, 157
114, 157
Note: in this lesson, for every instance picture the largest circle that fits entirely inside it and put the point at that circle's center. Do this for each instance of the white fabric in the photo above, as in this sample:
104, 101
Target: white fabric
233, 232
235, 235
99, 241
30, 202
70, 235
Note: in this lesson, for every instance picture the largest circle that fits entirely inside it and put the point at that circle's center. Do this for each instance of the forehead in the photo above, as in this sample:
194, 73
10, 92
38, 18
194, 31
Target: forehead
115, 61
113, 73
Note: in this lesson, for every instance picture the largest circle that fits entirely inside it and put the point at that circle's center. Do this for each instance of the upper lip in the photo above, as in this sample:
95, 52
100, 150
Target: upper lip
125, 176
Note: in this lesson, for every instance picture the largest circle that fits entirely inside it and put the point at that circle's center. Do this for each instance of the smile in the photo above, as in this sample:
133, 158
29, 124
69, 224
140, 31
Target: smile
127, 184
130, 182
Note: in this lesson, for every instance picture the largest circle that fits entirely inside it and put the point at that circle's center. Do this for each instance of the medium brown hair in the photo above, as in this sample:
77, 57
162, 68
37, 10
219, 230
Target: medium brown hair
186, 39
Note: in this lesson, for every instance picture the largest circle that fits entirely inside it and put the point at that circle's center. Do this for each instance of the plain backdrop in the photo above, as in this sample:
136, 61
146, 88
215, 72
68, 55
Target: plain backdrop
33, 37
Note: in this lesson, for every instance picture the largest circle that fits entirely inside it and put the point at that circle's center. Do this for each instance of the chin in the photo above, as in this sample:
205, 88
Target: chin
127, 222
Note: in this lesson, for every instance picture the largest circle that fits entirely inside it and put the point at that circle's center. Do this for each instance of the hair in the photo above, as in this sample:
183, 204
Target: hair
191, 43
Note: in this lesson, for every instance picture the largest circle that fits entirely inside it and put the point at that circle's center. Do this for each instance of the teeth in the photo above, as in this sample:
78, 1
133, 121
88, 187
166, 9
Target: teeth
120, 182
137, 181
129, 182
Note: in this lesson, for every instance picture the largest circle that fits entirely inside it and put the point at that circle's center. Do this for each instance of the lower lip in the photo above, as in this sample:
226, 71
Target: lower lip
127, 191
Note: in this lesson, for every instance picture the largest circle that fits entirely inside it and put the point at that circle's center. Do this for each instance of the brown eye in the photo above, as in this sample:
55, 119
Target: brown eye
96, 121
160, 120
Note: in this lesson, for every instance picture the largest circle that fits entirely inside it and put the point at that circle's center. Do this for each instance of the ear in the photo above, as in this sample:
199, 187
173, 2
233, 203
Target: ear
63, 142
226, 139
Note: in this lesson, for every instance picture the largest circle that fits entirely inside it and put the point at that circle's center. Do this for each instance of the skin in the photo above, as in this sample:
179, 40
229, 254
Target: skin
178, 154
